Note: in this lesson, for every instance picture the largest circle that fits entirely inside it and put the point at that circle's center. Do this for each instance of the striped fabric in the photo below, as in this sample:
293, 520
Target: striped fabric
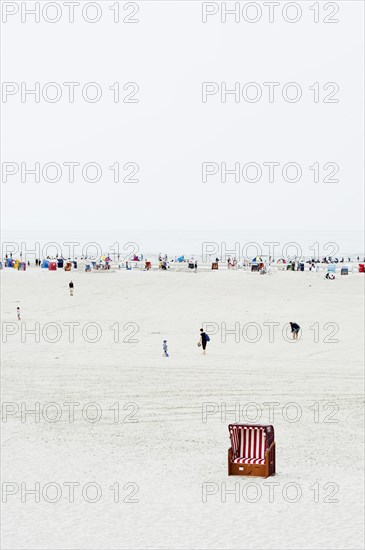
249, 461
248, 443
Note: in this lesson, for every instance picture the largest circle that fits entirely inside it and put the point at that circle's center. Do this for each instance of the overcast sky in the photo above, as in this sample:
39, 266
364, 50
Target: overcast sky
163, 139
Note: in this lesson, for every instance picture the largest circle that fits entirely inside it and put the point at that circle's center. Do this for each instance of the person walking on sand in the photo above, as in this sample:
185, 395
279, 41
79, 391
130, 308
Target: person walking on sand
204, 338
164, 348
18, 313
195, 266
295, 328
71, 287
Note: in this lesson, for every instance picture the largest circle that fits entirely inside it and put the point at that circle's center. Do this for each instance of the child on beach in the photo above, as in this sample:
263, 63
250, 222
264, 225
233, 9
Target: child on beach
18, 313
71, 287
164, 347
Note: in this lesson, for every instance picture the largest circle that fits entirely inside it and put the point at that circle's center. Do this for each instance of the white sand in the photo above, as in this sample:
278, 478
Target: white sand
170, 453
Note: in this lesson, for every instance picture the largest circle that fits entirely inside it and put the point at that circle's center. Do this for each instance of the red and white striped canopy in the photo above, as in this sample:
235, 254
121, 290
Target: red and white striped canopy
248, 442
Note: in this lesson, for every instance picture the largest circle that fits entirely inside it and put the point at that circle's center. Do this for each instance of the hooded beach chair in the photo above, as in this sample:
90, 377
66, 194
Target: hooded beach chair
252, 451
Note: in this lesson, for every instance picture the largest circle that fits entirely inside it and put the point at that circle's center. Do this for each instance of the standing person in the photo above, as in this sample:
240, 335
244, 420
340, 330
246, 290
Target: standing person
295, 328
164, 348
18, 313
195, 266
204, 338
71, 287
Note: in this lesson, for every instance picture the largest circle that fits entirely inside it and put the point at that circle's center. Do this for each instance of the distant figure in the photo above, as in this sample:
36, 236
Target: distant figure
294, 330
204, 338
195, 266
71, 287
164, 348
18, 313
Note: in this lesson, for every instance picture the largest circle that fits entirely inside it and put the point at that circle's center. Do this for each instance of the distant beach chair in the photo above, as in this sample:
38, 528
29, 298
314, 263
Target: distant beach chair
252, 451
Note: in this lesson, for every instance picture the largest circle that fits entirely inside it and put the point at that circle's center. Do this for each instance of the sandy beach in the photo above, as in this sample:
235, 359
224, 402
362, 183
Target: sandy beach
155, 428
138, 137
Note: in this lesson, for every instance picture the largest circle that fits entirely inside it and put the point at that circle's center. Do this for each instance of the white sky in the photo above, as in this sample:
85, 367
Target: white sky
170, 132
